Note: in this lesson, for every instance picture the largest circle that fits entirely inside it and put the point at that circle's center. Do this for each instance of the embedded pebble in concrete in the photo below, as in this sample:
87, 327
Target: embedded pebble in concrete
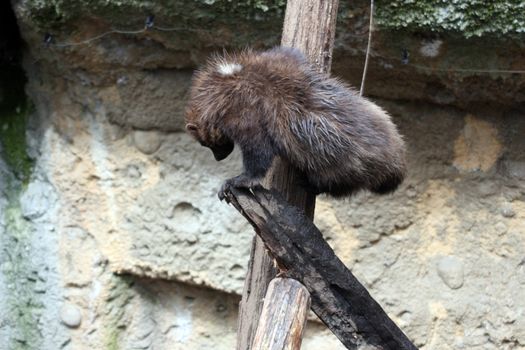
450, 269
70, 315
500, 228
148, 142
36, 200
507, 211
431, 48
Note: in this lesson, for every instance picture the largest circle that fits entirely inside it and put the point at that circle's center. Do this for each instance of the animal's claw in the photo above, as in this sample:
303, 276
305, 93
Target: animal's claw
222, 192
240, 181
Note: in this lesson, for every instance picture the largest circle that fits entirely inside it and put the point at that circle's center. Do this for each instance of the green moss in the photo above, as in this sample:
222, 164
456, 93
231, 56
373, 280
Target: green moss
468, 17
23, 304
200, 24
113, 342
15, 108
119, 297
13, 139
50, 13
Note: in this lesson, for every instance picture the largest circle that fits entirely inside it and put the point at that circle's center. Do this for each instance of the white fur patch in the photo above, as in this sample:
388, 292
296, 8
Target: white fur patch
229, 68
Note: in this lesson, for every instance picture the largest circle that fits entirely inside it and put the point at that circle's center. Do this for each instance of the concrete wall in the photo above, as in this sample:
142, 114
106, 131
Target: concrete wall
116, 239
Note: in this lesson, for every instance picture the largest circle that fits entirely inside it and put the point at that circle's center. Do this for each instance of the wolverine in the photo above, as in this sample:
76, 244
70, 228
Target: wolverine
274, 103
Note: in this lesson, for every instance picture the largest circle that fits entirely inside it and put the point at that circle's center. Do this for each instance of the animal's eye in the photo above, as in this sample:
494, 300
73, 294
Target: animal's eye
191, 127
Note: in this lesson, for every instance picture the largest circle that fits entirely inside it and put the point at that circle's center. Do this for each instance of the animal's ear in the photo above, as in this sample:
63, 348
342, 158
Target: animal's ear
192, 129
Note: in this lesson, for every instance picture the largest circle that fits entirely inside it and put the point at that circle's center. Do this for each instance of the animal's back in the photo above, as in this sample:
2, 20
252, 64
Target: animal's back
276, 103
341, 141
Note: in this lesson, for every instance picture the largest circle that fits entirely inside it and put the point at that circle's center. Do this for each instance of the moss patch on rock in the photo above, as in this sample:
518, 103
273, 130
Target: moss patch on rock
48, 13
468, 17
118, 298
12, 136
23, 304
22, 281
14, 110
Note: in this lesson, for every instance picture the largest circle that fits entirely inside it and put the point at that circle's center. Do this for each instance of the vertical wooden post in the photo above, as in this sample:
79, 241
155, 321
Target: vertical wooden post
283, 316
309, 25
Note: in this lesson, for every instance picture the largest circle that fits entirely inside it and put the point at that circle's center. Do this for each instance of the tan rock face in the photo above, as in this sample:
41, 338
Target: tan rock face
134, 242
477, 147
433, 253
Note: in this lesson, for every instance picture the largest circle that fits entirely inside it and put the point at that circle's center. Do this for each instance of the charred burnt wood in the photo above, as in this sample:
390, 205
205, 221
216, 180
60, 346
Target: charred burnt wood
301, 253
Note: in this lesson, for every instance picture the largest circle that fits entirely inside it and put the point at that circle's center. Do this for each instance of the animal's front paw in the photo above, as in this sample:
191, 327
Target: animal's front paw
240, 181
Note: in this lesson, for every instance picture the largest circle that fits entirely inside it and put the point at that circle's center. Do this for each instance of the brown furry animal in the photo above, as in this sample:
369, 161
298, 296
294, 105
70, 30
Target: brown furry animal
275, 103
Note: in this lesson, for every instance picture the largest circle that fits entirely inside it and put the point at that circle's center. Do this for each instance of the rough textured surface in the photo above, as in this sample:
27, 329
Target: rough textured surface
97, 179
470, 18
302, 253
441, 66
467, 17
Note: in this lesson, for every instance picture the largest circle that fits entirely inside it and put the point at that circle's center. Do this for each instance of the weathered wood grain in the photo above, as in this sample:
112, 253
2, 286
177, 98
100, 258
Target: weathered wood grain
301, 252
309, 25
283, 316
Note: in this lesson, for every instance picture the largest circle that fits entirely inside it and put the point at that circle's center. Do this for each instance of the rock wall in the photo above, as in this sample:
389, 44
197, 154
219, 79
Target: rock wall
111, 235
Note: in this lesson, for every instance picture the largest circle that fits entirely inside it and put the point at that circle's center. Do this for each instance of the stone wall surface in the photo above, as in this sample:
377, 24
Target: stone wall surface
111, 234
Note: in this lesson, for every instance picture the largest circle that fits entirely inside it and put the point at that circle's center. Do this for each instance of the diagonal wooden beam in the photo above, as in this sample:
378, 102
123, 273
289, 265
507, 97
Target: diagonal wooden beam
301, 252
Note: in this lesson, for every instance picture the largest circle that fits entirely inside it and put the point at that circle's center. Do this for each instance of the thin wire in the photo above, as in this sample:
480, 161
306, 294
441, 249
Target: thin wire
467, 70
452, 70
367, 48
100, 36
133, 32
174, 29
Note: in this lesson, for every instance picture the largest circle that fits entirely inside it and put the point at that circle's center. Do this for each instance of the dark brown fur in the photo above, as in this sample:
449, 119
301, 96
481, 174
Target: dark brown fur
278, 104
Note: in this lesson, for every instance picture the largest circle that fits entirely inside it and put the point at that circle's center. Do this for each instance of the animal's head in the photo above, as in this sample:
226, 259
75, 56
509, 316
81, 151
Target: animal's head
201, 125
220, 145
212, 102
